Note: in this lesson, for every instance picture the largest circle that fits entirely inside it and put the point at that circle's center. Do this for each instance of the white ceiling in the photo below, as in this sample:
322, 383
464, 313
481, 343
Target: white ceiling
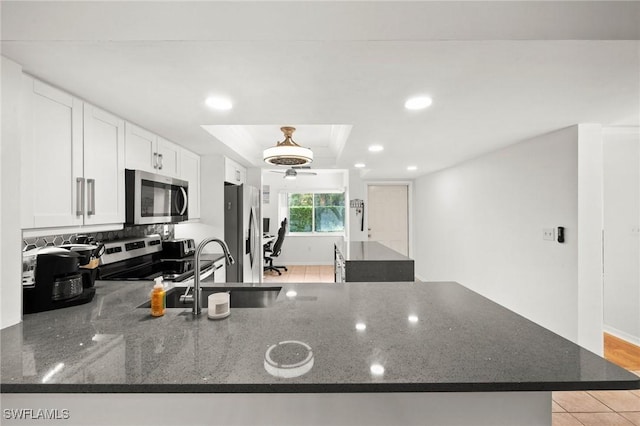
498, 73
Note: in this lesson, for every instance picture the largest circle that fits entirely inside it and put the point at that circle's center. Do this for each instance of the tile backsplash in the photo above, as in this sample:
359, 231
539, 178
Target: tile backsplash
127, 232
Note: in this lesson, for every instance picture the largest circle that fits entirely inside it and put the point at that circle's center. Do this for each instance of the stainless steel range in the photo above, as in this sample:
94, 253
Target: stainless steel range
142, 259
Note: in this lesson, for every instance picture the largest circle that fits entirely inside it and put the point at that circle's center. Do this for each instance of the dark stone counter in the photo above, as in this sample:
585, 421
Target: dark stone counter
363, 261
348, 337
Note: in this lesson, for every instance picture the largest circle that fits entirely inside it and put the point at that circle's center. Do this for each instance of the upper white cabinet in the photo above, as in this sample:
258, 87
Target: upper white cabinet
73, 166
190, 166
149, 152
52, 158
103, 167
168, 158
234, 173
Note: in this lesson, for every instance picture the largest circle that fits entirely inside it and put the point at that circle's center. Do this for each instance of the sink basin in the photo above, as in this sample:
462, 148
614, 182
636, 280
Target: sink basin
241, 297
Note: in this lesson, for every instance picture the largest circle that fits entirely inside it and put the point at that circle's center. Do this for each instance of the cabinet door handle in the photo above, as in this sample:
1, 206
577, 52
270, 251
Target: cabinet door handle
91, 191
238, 175
159, 161
155, 160
79, 196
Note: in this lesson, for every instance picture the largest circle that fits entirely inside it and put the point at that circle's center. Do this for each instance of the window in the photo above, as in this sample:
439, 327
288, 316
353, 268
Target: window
322, 212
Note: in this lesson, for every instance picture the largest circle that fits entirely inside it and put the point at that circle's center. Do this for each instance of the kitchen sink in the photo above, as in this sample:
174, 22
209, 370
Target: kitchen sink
240, 297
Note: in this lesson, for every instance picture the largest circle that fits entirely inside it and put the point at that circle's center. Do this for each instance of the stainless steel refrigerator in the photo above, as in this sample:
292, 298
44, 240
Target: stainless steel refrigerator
242, 232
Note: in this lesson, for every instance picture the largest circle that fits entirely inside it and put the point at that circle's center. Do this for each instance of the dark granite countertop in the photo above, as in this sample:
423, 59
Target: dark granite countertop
369, 251
353, 337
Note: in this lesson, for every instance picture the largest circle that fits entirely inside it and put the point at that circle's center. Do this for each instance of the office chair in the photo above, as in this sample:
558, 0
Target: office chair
276, 250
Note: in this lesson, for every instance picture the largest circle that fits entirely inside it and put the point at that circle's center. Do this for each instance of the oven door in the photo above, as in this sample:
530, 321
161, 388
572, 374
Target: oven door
152, 198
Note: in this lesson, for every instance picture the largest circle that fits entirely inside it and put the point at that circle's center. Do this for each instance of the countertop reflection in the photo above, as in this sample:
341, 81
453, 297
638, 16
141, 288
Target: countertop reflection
352, 337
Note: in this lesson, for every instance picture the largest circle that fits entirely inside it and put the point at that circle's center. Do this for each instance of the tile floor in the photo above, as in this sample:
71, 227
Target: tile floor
596, 408
302, 273
591, 408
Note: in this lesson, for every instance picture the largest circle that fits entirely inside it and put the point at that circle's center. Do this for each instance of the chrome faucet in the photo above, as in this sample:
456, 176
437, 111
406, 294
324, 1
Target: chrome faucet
197, 302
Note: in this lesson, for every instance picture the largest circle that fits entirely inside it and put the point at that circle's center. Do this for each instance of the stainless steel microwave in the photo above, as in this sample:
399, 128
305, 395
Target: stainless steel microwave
152, 198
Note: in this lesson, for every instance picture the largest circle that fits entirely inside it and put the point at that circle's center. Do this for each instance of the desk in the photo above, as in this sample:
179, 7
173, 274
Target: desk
267, 239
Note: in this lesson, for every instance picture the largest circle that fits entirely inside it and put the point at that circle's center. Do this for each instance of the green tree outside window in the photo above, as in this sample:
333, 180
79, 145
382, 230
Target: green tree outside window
316, 212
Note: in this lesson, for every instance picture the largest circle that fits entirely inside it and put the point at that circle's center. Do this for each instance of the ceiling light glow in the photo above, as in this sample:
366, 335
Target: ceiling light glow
418, 102
413, 319
377, 370
219, 103
376, 148
361, 326
359, 165
412, 168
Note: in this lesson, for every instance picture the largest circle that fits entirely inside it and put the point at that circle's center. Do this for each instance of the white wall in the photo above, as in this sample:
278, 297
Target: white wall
10, 235
302, 250
211, 223
590, 220
621, 196
480, 223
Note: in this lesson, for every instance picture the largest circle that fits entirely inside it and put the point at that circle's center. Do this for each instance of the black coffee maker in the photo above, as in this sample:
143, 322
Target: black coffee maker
52, 279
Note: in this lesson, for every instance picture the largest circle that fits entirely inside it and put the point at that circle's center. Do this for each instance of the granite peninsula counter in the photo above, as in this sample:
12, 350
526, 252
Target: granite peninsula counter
364, 261
350, 339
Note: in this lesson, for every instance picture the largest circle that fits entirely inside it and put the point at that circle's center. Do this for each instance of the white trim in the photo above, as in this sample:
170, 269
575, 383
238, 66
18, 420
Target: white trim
39, 232
314, 191
621, 335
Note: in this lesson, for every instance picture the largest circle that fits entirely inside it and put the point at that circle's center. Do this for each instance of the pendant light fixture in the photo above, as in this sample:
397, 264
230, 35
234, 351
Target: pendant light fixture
287, 152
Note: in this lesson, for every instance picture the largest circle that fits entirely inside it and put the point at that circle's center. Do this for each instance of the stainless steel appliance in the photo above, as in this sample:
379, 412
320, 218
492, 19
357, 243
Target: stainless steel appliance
52, 279
143, 258
178, 248
242, 233
152, 198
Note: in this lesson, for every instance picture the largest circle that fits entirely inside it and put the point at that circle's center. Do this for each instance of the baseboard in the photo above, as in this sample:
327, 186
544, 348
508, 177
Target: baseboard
621, 335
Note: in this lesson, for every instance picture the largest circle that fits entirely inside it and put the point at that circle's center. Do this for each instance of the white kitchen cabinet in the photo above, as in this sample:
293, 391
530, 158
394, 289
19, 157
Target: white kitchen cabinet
151, 153
234, 173
140, 148
73, 162
169, 158
103, 167
52, 158
190, 167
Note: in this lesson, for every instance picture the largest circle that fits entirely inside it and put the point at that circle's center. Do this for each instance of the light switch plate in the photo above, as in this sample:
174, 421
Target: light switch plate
548, 234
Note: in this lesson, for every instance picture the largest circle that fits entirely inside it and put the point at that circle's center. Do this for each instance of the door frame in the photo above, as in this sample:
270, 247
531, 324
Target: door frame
409, 185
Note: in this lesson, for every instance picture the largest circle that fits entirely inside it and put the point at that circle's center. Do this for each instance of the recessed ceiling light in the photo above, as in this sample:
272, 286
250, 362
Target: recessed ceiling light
359, 165
219, 103
419, 102
377, 369
361, 326
412, 168
376, 148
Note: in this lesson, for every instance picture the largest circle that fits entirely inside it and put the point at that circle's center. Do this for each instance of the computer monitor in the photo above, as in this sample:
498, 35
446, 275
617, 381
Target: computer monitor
265, 225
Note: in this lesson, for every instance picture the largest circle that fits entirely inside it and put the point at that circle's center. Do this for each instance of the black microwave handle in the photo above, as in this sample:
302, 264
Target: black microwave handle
183, 210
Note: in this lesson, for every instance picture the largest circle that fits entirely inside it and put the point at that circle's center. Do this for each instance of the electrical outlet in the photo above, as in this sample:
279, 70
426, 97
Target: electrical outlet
548, 234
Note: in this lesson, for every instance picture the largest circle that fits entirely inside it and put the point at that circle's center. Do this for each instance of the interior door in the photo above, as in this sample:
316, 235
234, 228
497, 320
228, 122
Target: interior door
388, 216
